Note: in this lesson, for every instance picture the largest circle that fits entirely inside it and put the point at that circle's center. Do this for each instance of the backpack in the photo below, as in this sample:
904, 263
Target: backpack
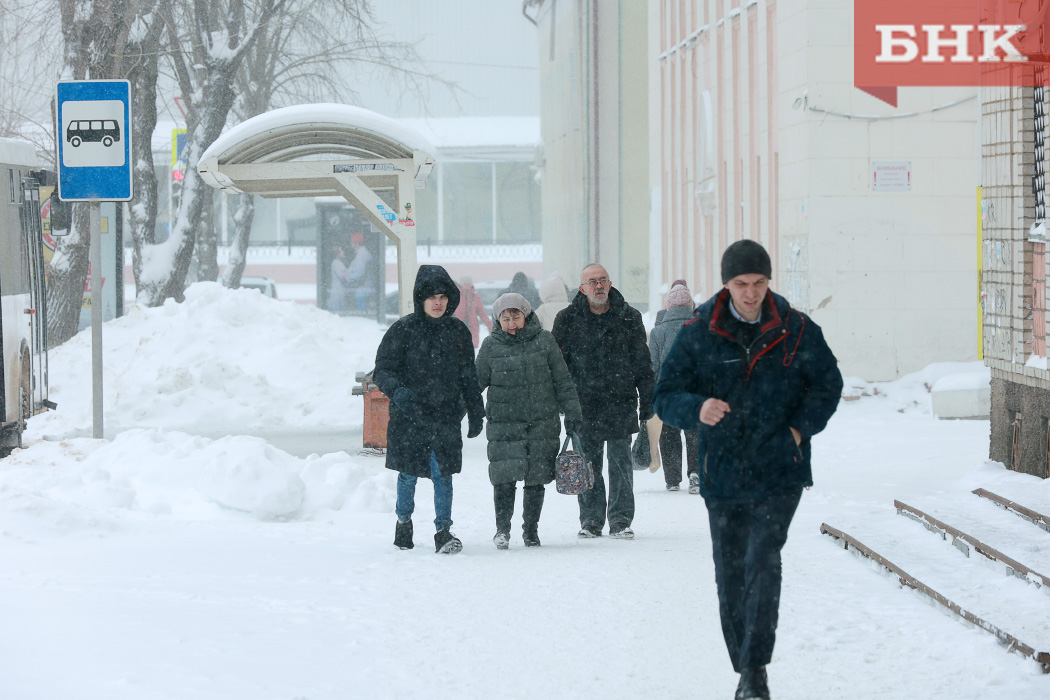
574, 473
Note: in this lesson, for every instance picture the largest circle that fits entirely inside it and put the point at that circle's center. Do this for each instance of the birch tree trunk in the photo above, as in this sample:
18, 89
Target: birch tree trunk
142, 59
207, 248
242, 223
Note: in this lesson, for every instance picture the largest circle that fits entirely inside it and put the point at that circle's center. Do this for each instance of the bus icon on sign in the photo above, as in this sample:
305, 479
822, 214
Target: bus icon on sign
104, 131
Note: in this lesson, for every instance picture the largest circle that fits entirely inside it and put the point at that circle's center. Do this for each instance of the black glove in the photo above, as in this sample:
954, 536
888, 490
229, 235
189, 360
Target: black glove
573, 427
645, 414
474, 426
405, 399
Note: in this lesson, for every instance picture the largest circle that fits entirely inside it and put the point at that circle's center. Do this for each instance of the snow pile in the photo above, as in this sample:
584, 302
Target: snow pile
911, 393
222, 361
82, 484
978, 378
1036, 361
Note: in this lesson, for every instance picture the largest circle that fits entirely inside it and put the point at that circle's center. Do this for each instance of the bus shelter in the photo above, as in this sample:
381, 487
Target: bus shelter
331, 150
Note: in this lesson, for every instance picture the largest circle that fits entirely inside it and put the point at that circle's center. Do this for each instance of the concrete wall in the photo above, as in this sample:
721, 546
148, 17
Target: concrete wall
594, 121
794, 147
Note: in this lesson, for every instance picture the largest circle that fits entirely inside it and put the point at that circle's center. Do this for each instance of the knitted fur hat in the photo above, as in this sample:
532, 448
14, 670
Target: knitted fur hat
678, 296
744, 258
510, 300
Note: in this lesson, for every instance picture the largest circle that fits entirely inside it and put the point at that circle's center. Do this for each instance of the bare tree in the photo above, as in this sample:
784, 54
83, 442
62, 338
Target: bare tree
28, 69
141, 58
318, 57
205, 58
95, 35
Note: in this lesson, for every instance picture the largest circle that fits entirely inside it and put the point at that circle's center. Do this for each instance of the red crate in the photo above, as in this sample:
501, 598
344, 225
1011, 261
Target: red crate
377, 415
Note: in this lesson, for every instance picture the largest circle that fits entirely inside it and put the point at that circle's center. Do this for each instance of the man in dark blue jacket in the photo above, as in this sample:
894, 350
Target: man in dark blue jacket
757, 379
425, 365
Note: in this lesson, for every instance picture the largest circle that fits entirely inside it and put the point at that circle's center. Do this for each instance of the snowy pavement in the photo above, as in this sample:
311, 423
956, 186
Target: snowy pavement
162, 564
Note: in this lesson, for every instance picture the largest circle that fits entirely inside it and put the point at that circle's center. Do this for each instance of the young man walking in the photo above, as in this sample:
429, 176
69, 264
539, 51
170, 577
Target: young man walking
425, 365
603, 342
757, 379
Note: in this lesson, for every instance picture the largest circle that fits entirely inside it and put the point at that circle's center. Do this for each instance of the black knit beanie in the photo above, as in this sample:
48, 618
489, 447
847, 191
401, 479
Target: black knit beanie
744, 258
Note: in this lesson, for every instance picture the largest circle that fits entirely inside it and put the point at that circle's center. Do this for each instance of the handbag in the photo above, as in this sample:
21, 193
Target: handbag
574, 474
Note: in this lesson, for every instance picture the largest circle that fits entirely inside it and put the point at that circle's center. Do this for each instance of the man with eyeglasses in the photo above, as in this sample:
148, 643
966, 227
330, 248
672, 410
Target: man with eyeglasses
603, 342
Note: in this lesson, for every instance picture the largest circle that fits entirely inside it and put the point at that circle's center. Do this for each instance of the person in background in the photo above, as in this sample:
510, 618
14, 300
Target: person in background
471, 309
357, 275
554, 297
521, 284
338, 281
758, 380
528, 385
425, 365
678, 307
603, 342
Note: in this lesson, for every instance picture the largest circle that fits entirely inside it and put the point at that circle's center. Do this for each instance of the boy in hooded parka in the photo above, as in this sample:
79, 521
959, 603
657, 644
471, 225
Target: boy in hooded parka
425, 365
528, 384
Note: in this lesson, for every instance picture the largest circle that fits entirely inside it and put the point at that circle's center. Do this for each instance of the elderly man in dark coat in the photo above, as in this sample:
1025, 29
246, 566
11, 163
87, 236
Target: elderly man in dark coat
603, 342
425, 365
757, 379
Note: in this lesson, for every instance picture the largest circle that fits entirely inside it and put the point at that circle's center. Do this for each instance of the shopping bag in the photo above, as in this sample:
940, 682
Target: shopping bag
654, 426
640, 450
574, 474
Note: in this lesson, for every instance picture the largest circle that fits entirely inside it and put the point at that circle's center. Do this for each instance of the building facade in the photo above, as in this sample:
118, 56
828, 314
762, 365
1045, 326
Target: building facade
1014, 271
866, 208
594, 116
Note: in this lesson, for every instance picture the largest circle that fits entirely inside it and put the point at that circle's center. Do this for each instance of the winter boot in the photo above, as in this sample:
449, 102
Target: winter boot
530, 537
530, 515
672, 487
447, 543
403, 535
503, 498
694, 483
753, 684
501, 540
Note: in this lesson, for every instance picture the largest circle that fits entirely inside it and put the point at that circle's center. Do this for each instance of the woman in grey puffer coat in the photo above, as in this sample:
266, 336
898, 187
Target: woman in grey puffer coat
679, 305
528, 385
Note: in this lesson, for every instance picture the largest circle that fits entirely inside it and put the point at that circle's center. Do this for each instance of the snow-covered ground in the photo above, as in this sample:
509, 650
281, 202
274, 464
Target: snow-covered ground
174, 560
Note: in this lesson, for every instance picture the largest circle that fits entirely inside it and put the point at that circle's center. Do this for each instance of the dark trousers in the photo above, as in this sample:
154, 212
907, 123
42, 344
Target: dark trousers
671, 453
621, 484
746, 541
504, 494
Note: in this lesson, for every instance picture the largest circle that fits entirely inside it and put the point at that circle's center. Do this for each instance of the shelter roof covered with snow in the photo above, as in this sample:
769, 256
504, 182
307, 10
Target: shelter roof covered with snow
311, 131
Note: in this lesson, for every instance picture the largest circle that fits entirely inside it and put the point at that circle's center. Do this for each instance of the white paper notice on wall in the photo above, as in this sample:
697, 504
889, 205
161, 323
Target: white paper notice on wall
891, 175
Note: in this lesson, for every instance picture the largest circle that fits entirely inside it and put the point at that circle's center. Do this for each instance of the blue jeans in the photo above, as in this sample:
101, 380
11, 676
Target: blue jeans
406, 496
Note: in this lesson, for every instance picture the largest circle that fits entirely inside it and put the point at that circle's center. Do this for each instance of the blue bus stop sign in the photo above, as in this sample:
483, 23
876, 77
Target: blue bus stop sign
94, 140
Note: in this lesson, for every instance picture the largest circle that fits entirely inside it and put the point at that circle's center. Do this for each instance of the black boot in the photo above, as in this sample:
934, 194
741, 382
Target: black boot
503, 496
531, 509
752, 685
447, 543
403, 535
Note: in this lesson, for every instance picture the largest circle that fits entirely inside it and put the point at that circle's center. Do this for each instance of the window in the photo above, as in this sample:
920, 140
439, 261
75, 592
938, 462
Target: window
468, 202
518, 204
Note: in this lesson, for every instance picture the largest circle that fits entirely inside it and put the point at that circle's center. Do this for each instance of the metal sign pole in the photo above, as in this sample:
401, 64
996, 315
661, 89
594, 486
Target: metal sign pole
96, 319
